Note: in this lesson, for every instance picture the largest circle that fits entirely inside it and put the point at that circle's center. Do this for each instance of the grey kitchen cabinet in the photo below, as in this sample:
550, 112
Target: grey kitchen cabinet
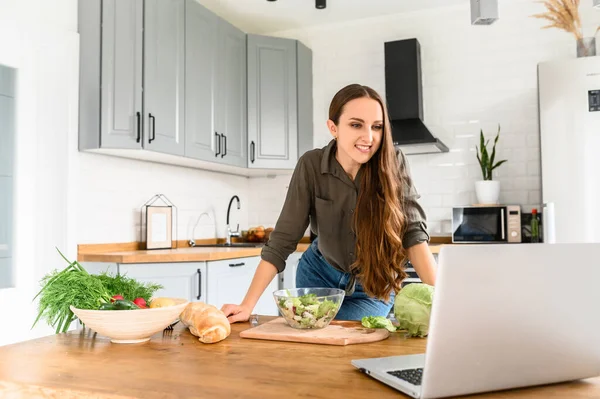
229, 280
305, 98
7, 137
121, 74
201, 31
279, 121
111, 69
164, 75
215, 100
231, 94
132, 75
169, 81
186, 280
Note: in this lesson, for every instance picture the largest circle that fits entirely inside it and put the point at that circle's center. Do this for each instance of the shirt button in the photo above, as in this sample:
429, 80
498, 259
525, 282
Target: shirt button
351, 210
351, 253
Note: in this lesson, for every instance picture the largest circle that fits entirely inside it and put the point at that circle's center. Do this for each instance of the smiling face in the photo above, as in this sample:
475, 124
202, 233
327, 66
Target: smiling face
359, 131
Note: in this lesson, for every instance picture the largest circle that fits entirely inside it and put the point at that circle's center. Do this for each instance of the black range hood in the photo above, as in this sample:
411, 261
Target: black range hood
404, 96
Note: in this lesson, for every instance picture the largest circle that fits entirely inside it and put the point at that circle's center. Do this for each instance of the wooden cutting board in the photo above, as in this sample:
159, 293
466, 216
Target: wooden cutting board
336, 333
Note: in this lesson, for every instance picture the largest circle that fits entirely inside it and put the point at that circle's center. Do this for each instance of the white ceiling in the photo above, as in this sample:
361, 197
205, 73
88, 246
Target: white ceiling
262, 16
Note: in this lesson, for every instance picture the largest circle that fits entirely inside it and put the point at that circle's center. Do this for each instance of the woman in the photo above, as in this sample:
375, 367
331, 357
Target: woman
358, 196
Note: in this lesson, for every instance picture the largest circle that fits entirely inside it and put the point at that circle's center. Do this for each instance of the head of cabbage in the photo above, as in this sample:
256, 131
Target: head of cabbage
412, 308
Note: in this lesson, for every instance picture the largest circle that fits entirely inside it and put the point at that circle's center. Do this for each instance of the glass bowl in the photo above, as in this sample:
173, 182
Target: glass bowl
309, 308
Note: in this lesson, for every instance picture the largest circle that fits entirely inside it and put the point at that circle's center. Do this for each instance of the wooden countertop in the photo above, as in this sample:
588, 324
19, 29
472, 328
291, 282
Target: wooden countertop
182, 254
175, 365
134, 253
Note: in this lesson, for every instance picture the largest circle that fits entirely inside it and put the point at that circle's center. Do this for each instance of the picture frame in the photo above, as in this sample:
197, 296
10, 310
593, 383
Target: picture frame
159, 224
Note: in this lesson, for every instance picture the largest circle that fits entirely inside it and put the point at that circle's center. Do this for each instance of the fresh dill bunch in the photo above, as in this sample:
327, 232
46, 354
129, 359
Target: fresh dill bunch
128, 287
75, 286
61, 289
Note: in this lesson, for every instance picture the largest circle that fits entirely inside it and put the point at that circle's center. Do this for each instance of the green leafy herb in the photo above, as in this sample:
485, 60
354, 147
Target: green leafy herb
128, 287
378, 322
75, 286
71, 286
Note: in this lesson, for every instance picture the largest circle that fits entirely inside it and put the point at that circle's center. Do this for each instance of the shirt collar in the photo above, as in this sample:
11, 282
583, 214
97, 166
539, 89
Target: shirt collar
328, 157
329, 164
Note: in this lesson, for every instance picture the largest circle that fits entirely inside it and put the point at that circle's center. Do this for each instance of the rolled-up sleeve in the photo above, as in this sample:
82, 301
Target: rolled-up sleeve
416, 219
293, 220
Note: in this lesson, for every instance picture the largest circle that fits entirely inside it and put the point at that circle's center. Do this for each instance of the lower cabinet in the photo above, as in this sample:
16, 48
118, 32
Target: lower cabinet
180, 280
228, 282
287, 279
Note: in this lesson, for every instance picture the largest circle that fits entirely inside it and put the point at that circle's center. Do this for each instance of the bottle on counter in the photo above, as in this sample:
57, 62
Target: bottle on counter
535, 226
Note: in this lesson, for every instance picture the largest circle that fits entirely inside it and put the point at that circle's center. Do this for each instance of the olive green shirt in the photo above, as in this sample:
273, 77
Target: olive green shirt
320, 192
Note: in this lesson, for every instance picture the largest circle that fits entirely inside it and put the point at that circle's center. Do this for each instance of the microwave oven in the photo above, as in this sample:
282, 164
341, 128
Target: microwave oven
486, 224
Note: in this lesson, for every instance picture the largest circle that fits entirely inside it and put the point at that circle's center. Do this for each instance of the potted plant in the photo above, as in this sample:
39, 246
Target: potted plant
487, 190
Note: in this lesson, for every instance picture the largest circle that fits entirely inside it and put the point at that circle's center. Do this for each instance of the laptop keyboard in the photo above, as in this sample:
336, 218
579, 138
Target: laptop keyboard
413, 376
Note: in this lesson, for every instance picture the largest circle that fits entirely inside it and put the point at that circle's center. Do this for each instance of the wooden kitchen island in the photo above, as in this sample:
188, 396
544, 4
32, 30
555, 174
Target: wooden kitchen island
81, 364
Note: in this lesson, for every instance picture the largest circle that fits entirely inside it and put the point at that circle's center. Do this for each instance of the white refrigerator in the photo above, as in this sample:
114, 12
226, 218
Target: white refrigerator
569, 107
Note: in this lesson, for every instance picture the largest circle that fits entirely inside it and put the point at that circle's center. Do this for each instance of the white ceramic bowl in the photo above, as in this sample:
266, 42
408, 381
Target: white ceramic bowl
130, 326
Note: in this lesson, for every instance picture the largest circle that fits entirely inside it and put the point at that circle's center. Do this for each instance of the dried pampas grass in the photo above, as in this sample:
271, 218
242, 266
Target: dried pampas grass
563, 14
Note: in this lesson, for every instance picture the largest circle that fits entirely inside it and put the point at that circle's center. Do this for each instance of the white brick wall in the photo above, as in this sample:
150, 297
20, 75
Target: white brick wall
474, 77
112, 190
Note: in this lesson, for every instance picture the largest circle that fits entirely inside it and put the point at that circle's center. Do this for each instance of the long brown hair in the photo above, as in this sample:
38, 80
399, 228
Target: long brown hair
379, 221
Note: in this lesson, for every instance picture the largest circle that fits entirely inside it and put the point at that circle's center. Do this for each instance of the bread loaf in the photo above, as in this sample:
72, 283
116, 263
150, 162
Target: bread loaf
206, 322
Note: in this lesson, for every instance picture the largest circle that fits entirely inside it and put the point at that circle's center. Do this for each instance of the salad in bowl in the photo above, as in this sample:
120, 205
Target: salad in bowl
305, 308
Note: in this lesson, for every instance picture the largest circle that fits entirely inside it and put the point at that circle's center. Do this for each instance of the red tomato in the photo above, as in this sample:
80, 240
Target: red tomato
141, 302
116, 297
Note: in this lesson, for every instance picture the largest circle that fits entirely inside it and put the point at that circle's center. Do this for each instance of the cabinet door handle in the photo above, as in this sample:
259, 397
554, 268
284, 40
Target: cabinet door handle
236, 264
199, 284
252, 146
139, 127
153, 119
218, 143
224, 145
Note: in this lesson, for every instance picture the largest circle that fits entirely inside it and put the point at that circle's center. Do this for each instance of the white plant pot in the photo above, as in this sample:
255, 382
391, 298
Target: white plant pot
488, 191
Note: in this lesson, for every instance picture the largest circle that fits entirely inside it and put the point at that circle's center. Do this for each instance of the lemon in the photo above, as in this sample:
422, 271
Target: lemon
161, 302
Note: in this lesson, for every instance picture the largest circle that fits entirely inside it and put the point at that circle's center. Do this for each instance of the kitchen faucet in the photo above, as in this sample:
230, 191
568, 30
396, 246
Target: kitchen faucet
192, 242
229, 232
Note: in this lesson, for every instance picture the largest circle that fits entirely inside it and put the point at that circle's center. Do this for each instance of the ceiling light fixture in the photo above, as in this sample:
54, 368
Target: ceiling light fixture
596, 3
320, 4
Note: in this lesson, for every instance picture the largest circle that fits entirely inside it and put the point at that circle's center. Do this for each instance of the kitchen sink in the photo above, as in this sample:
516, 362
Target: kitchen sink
233, 245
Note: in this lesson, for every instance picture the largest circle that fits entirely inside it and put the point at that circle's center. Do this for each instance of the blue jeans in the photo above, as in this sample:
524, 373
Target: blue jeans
314, 271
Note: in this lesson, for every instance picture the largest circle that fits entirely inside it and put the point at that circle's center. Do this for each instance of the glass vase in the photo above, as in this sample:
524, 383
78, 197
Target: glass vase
586, 47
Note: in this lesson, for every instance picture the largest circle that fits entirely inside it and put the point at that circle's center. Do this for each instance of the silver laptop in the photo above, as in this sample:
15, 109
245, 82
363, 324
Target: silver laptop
504, 316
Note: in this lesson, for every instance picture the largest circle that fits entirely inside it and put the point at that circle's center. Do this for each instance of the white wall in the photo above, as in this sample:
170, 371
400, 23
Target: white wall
111, 191
39, 40
473, 77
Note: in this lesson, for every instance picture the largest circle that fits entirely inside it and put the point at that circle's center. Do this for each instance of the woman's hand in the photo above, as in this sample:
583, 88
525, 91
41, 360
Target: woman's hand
236, 313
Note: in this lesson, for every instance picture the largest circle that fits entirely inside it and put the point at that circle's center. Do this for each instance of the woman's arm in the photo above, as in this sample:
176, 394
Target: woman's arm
416, 237
283, 240
422, 259
262, 278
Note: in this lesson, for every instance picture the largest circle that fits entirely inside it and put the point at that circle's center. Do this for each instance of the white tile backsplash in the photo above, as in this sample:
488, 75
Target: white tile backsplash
113, 190
474, 77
